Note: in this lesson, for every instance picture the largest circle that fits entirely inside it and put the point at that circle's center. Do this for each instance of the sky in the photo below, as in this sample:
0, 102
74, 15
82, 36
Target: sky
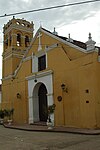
77, 20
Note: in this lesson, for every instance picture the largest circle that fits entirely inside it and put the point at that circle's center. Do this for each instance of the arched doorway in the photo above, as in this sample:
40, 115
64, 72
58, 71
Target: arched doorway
34, 97
42, 96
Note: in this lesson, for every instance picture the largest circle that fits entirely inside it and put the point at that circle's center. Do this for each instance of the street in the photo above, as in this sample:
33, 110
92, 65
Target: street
11, 139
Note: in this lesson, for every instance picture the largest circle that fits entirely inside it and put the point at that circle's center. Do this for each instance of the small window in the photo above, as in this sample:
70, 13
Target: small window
87, 101
23, 24
18, 40
17, 23
42, 63
87, 91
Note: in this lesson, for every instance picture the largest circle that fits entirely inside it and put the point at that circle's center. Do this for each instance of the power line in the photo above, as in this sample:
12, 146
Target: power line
48, 8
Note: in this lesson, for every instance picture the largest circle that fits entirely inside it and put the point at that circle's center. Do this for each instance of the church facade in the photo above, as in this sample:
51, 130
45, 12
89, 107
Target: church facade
47, 69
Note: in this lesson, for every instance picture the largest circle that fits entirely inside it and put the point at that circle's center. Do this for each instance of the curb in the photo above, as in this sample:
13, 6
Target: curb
57, 130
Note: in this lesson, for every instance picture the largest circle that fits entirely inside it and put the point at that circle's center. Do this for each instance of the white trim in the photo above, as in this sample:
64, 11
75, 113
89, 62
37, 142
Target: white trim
27, 58
12, 54
51, 47
39, 74
18, 55
39, 46
34, 64
35, 60
6, 57
40, 53
7, 77
63, 41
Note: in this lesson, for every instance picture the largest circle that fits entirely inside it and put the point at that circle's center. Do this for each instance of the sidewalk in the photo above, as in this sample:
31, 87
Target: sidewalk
44, 128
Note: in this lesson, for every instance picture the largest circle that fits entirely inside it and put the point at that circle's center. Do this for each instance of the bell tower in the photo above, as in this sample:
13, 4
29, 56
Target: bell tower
18, 34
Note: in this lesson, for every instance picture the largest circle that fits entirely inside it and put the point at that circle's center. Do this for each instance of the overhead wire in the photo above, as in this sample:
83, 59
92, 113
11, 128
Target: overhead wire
48, 8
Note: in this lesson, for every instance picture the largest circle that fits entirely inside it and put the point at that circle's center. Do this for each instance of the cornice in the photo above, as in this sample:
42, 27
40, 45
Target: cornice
39, 74
18, 27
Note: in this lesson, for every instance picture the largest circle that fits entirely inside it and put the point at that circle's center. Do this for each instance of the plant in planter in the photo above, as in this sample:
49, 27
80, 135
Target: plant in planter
50, 111
9, 115
2, 114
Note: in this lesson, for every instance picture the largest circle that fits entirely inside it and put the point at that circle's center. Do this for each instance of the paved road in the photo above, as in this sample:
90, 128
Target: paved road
11, 139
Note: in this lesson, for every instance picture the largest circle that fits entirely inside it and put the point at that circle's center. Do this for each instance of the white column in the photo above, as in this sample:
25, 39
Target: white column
50, 99
31, 120
34, 64
36, 108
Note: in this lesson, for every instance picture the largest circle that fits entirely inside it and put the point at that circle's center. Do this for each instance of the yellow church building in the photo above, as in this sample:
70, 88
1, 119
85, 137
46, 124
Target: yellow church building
44, 69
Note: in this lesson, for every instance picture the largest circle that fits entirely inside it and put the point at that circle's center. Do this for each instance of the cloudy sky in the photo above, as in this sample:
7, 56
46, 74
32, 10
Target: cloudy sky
77, 20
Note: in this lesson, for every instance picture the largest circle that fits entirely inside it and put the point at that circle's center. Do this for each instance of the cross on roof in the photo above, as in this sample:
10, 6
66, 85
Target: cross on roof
39, 36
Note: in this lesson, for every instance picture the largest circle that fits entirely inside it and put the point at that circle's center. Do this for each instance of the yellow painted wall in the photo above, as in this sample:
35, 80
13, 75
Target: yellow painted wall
79, 76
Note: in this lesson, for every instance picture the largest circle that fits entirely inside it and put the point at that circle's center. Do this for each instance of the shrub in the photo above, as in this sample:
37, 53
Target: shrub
9, 113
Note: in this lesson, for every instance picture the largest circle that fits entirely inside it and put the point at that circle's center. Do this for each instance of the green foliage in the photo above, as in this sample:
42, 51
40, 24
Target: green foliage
51, 109
9, 113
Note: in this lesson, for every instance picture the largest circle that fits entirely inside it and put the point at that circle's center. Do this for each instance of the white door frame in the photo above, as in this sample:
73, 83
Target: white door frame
47, 79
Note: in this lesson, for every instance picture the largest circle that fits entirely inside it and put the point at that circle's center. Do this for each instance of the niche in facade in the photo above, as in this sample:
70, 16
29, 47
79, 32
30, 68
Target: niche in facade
6, 42
26, 41
10, 40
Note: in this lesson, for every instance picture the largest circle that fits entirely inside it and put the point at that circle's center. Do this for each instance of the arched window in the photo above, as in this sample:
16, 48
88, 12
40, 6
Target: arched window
18, 40
17, 23
26, 41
